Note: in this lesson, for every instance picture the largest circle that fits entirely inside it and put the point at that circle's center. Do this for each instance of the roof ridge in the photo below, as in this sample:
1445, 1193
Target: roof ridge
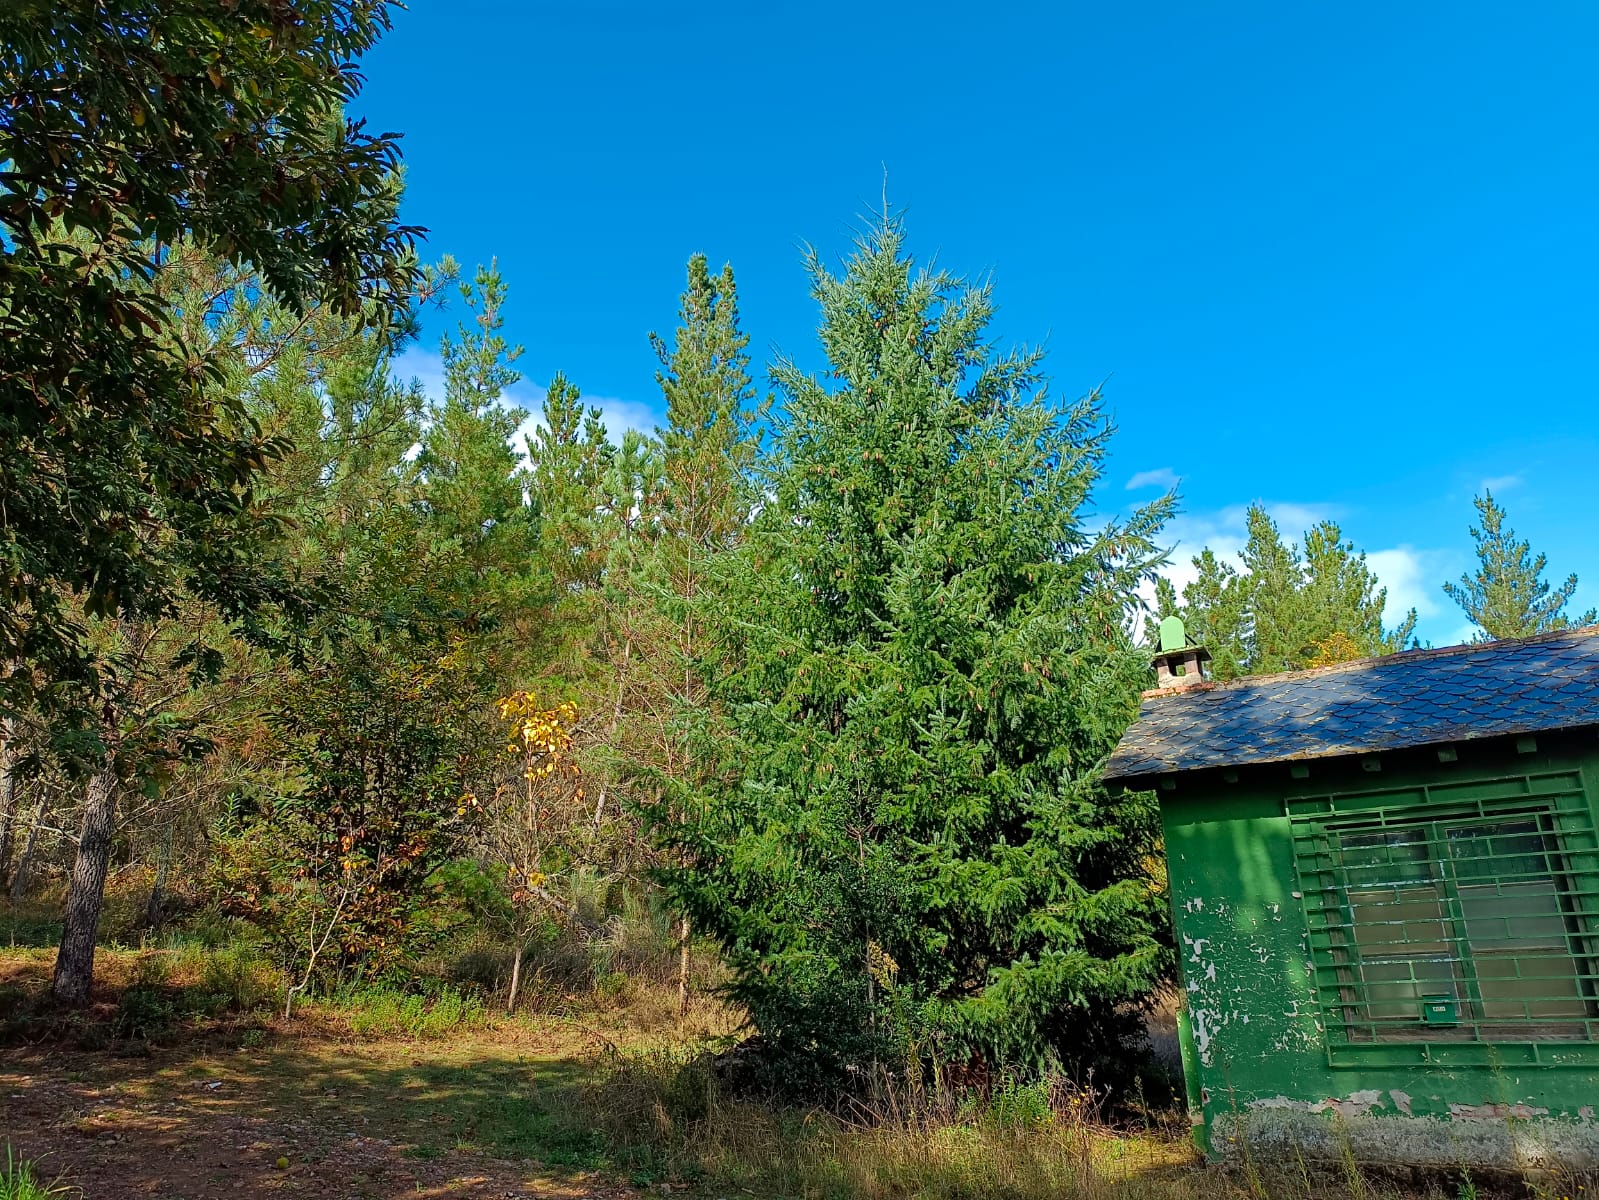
1548, 681
1378, 661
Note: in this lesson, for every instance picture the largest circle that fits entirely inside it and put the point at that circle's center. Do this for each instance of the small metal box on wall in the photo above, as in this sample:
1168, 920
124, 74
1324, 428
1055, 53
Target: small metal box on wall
1384, 879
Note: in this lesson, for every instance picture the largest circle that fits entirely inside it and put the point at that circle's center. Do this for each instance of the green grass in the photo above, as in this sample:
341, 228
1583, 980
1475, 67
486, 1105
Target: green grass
29, 926
19, 1181
388, 1013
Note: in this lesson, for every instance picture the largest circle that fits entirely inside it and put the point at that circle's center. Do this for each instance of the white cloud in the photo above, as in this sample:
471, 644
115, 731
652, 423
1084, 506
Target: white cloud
1501, 483
1225, 530
619, 415
1414, 579
1294, 519
622, 415
1161, 477
424, 366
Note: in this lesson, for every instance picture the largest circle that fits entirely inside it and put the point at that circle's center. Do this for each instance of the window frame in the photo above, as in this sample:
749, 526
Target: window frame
1557, 805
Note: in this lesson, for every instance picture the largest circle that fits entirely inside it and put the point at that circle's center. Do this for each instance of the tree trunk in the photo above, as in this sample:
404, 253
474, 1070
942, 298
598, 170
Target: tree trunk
516, 978
74, 974
19, 881
682, 967
8, 794
154, 909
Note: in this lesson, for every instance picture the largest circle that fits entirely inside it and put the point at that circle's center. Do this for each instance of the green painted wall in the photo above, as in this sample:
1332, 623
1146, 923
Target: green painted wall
1256, 1051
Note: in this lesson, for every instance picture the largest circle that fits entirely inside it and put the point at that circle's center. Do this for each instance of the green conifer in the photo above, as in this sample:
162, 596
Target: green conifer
1508, 596
1284, 608
906, 852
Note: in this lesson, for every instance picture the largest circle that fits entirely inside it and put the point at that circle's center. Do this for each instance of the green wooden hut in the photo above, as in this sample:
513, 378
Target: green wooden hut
1385, 889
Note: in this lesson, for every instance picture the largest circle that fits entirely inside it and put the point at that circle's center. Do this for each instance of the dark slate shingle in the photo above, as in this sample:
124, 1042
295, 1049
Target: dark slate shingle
1418, 698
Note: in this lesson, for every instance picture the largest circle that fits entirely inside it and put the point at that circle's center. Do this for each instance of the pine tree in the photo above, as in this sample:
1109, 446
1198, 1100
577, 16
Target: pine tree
1507, 596
1285, 608
1346, 605
472, 482
710, 398
569, 456
708, 448
905, 850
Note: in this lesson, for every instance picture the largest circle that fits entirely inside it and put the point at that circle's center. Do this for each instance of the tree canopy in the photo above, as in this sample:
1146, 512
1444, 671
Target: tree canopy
126, 131
1285, 605
1507, 595
924, 660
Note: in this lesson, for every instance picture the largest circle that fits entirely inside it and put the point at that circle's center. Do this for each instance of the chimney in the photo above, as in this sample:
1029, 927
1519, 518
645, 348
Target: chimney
1178, 665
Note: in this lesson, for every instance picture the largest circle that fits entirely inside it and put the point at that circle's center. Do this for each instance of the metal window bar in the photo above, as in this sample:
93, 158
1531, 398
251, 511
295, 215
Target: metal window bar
1465, 923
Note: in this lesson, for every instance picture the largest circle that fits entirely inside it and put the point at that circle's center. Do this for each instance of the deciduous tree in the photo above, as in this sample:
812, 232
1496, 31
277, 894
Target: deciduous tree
125, 129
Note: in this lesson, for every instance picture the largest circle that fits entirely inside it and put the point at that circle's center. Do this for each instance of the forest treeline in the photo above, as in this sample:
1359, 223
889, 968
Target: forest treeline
823, 669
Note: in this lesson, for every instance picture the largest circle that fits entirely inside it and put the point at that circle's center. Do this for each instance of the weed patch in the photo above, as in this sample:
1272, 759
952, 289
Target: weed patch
388, 1013
19, 1181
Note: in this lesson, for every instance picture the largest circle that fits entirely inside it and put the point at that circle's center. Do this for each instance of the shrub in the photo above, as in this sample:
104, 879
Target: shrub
388, 1012
145, 1012
237, 979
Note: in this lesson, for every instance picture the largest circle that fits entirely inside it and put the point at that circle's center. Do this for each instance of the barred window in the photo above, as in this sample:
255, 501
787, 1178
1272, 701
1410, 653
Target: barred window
1456, 928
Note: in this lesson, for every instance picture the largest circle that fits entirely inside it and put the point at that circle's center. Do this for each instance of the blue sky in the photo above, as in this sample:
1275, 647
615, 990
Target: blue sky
1343, 260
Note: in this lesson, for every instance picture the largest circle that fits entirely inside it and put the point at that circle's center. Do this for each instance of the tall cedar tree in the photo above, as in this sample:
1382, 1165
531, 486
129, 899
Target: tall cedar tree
1284, 608
1508, 596
910, 854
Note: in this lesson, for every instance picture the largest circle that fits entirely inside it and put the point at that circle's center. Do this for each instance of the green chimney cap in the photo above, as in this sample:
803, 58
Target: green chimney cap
1172, 634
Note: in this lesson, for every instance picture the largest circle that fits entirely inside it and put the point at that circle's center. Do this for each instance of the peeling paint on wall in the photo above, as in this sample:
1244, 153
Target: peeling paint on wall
1258, 1055
1496, 1112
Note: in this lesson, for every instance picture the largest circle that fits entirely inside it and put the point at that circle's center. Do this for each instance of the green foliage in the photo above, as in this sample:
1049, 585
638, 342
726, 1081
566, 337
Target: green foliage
387, 1012
19, 1181
906, 850
1507, 596
126, 130
708, 443
380, 739
385, 746
471, 481
169, 990
1284, 608
707, 454
569, 456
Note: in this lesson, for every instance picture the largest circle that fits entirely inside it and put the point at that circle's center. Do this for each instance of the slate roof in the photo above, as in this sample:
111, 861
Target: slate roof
1418, 698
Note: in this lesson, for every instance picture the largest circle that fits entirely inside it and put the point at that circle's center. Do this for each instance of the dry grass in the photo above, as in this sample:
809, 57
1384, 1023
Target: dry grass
611, 1083
663, 1116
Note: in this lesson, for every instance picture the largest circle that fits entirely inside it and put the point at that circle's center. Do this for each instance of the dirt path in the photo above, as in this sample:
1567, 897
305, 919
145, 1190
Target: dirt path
307, 1118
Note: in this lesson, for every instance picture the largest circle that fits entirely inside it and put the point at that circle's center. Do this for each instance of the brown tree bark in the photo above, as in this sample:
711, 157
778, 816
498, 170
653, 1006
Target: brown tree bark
9, 817
8, 795
516, 979
155, 907
19, 879
74, 974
